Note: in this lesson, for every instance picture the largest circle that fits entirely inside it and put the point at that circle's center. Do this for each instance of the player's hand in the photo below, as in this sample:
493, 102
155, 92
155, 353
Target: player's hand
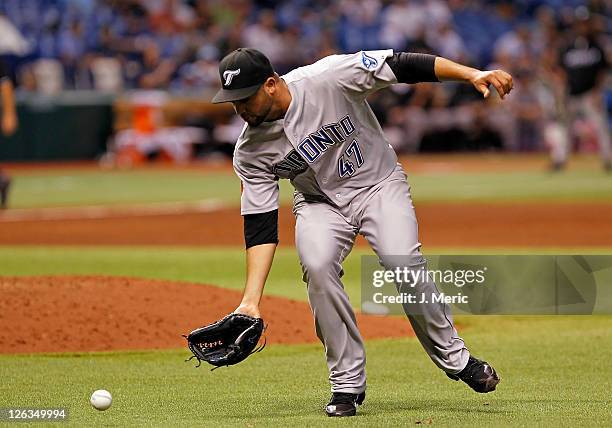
501, 81
9, 124
248, 309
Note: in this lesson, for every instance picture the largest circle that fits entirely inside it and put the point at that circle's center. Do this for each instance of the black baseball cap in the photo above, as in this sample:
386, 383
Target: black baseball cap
242, 72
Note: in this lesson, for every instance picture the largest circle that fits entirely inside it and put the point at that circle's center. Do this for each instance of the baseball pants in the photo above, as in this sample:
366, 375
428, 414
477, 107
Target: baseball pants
590, 106
325, 234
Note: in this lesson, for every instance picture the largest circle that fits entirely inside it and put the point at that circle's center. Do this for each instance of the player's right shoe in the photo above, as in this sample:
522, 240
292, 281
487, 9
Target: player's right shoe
479, 375
557, 166
344, 404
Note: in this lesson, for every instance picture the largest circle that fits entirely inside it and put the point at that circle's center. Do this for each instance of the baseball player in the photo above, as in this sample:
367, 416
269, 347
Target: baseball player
9, 125
585, 66
314, 127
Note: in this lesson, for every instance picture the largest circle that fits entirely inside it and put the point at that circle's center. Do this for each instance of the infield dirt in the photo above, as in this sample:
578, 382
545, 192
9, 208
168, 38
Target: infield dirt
103, 313
440, 224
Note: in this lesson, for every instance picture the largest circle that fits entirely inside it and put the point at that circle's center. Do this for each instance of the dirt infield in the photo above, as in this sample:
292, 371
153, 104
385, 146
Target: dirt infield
97, 313
440, 224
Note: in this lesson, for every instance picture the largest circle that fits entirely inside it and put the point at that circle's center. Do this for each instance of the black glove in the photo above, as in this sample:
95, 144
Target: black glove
227, 341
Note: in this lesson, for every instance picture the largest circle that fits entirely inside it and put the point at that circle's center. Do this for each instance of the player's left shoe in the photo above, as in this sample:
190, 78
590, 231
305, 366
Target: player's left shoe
344, 404
479, 375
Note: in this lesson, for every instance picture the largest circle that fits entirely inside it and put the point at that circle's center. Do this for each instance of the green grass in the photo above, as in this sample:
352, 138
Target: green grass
73, 188
86, 187
594, 185
555, 372
223, 267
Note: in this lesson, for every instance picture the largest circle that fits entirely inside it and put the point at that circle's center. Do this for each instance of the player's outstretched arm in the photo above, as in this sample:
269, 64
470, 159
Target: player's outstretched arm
259, 262
448, 70
261, 238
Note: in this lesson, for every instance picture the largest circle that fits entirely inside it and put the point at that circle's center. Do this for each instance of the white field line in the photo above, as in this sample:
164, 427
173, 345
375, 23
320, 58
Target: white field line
105, 211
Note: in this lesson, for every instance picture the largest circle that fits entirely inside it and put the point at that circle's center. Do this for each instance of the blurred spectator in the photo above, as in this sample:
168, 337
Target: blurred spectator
201, 73
264, 35
71, 50
359, 25
175, 45
527, 110
446, 42
515, 43
49, 76
544, 33
173, 13
156, 71
402, 21
106, 74
437, 12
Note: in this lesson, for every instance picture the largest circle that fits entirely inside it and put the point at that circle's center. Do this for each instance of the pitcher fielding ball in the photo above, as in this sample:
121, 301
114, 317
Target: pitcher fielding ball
314, 127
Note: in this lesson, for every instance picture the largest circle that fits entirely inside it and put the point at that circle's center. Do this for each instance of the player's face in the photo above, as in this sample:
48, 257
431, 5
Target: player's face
255, 109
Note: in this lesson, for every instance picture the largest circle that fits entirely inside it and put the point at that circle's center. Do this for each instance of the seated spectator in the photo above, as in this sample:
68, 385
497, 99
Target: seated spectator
156, 71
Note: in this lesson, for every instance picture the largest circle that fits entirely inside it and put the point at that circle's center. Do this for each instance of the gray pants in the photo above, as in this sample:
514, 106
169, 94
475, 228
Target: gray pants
591, 107
385, 216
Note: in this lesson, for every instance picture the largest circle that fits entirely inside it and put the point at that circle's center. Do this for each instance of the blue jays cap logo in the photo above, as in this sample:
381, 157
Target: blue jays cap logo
229, 75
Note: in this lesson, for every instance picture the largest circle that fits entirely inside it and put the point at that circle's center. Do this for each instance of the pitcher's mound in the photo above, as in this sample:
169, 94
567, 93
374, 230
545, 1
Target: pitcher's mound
101, 313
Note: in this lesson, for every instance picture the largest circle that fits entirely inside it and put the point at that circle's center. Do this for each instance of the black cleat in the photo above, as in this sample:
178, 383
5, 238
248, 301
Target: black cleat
344, 404
479, 375
557, 166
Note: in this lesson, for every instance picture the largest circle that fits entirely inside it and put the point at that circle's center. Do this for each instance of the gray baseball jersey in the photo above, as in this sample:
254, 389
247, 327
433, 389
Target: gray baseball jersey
329, 144
347, 180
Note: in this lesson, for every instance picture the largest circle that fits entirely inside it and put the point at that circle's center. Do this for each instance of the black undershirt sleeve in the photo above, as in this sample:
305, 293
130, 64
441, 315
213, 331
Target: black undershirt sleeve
413, 67
261, 228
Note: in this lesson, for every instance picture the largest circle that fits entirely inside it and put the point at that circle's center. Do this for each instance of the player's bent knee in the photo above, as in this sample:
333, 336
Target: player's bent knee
318, 271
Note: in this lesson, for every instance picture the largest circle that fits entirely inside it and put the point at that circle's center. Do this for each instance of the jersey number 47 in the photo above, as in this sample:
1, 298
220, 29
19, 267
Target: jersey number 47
345, 166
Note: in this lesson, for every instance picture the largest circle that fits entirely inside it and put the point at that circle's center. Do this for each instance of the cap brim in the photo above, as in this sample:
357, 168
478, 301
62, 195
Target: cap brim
228, 95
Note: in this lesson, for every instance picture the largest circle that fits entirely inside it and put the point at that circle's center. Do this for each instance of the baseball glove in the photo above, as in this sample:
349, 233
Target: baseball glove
227, 341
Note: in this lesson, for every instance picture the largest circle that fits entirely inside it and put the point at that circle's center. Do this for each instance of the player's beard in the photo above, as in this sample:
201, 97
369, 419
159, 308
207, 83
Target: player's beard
255, 120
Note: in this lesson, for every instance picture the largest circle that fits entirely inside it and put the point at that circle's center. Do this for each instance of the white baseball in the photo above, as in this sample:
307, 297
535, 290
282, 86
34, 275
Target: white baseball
101, 399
